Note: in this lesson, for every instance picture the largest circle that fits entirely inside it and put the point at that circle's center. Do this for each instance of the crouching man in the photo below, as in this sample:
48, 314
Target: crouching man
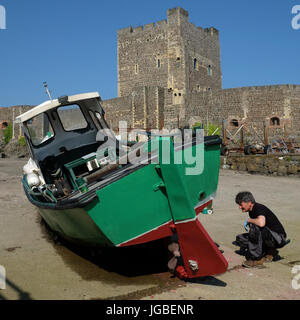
265, 232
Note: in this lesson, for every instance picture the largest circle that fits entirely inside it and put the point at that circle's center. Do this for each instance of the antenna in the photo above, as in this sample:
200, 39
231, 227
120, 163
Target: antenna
47, 90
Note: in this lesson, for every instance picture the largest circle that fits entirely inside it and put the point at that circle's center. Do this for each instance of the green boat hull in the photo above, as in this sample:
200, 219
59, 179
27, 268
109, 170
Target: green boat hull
136, 208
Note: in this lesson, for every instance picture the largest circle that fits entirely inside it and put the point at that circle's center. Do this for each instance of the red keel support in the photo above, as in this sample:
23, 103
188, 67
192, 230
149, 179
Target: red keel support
196, 245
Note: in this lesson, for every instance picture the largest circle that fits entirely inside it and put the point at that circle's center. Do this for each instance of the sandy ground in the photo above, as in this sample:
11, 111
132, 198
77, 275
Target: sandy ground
37, 268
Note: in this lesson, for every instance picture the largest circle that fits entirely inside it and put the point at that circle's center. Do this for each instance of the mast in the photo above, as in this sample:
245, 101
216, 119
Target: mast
47, 90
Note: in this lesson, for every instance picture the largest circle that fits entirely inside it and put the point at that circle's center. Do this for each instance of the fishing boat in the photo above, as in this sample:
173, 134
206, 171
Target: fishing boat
85, 188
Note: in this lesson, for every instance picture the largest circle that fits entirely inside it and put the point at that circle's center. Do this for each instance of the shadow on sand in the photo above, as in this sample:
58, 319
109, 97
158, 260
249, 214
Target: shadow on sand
140, 260
208, 281
134, 261
22, 295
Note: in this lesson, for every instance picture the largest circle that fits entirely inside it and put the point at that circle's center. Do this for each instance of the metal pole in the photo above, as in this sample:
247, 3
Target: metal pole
224, 132
266, 135
207, 122
13, 124
47, 90
242, 138
20, 128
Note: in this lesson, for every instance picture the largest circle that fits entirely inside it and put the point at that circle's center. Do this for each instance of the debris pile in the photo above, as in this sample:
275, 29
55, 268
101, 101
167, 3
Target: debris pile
276, 165
13, 150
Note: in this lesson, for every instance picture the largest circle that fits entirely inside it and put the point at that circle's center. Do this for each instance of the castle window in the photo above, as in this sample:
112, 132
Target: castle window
158, 63
209, 70
234, 123
195, 64
275, 121
136, 69
175, 94
178, 59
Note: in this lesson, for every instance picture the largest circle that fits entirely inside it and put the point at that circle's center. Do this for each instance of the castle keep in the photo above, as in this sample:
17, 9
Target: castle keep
169, 76
172, 54
159, 65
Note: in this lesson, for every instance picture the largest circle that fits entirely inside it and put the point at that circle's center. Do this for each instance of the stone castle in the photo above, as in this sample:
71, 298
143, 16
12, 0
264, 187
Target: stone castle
169, 76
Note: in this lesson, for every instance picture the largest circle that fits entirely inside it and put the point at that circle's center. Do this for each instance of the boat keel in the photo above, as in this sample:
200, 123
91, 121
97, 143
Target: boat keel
200, 254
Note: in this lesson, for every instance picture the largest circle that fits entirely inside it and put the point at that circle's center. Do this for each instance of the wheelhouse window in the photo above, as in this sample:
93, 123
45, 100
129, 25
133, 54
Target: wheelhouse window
71, 118
101, 119
95, 120
40, 129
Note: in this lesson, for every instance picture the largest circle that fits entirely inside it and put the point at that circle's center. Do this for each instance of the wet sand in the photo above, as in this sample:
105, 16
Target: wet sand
39, 268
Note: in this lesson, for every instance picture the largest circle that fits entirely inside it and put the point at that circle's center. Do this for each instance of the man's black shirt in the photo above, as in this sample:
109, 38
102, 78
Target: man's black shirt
272, 221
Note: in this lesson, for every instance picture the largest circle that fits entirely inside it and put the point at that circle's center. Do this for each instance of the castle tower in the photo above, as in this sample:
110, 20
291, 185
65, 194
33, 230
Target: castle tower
173, 54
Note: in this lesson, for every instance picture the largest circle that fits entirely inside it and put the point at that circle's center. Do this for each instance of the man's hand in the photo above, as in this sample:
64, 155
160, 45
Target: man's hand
246, 225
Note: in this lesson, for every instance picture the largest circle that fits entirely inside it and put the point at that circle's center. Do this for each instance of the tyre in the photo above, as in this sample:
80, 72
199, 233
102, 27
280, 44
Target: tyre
224, 151
268, 149
250, 150
247, 150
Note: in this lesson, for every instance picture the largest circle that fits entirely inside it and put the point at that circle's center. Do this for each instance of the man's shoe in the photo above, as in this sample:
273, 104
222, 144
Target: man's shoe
241, 252
254, 263
271, 254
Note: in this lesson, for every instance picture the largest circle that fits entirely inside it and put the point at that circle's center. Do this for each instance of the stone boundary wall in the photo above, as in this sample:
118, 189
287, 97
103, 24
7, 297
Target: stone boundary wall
255, 105
10, 113
275, 165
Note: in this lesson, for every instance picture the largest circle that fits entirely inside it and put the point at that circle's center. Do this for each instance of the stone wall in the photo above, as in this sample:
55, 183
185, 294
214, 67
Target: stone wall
253, 106
9, 114
276, 165
143, 108
118, 109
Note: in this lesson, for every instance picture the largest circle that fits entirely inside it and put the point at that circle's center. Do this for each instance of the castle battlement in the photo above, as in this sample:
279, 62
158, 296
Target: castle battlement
179, 10
175, 16
213, 31
147, 27
265, 88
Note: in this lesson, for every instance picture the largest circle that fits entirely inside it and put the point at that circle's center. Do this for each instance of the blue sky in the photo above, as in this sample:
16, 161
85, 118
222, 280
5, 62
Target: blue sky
73, 44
